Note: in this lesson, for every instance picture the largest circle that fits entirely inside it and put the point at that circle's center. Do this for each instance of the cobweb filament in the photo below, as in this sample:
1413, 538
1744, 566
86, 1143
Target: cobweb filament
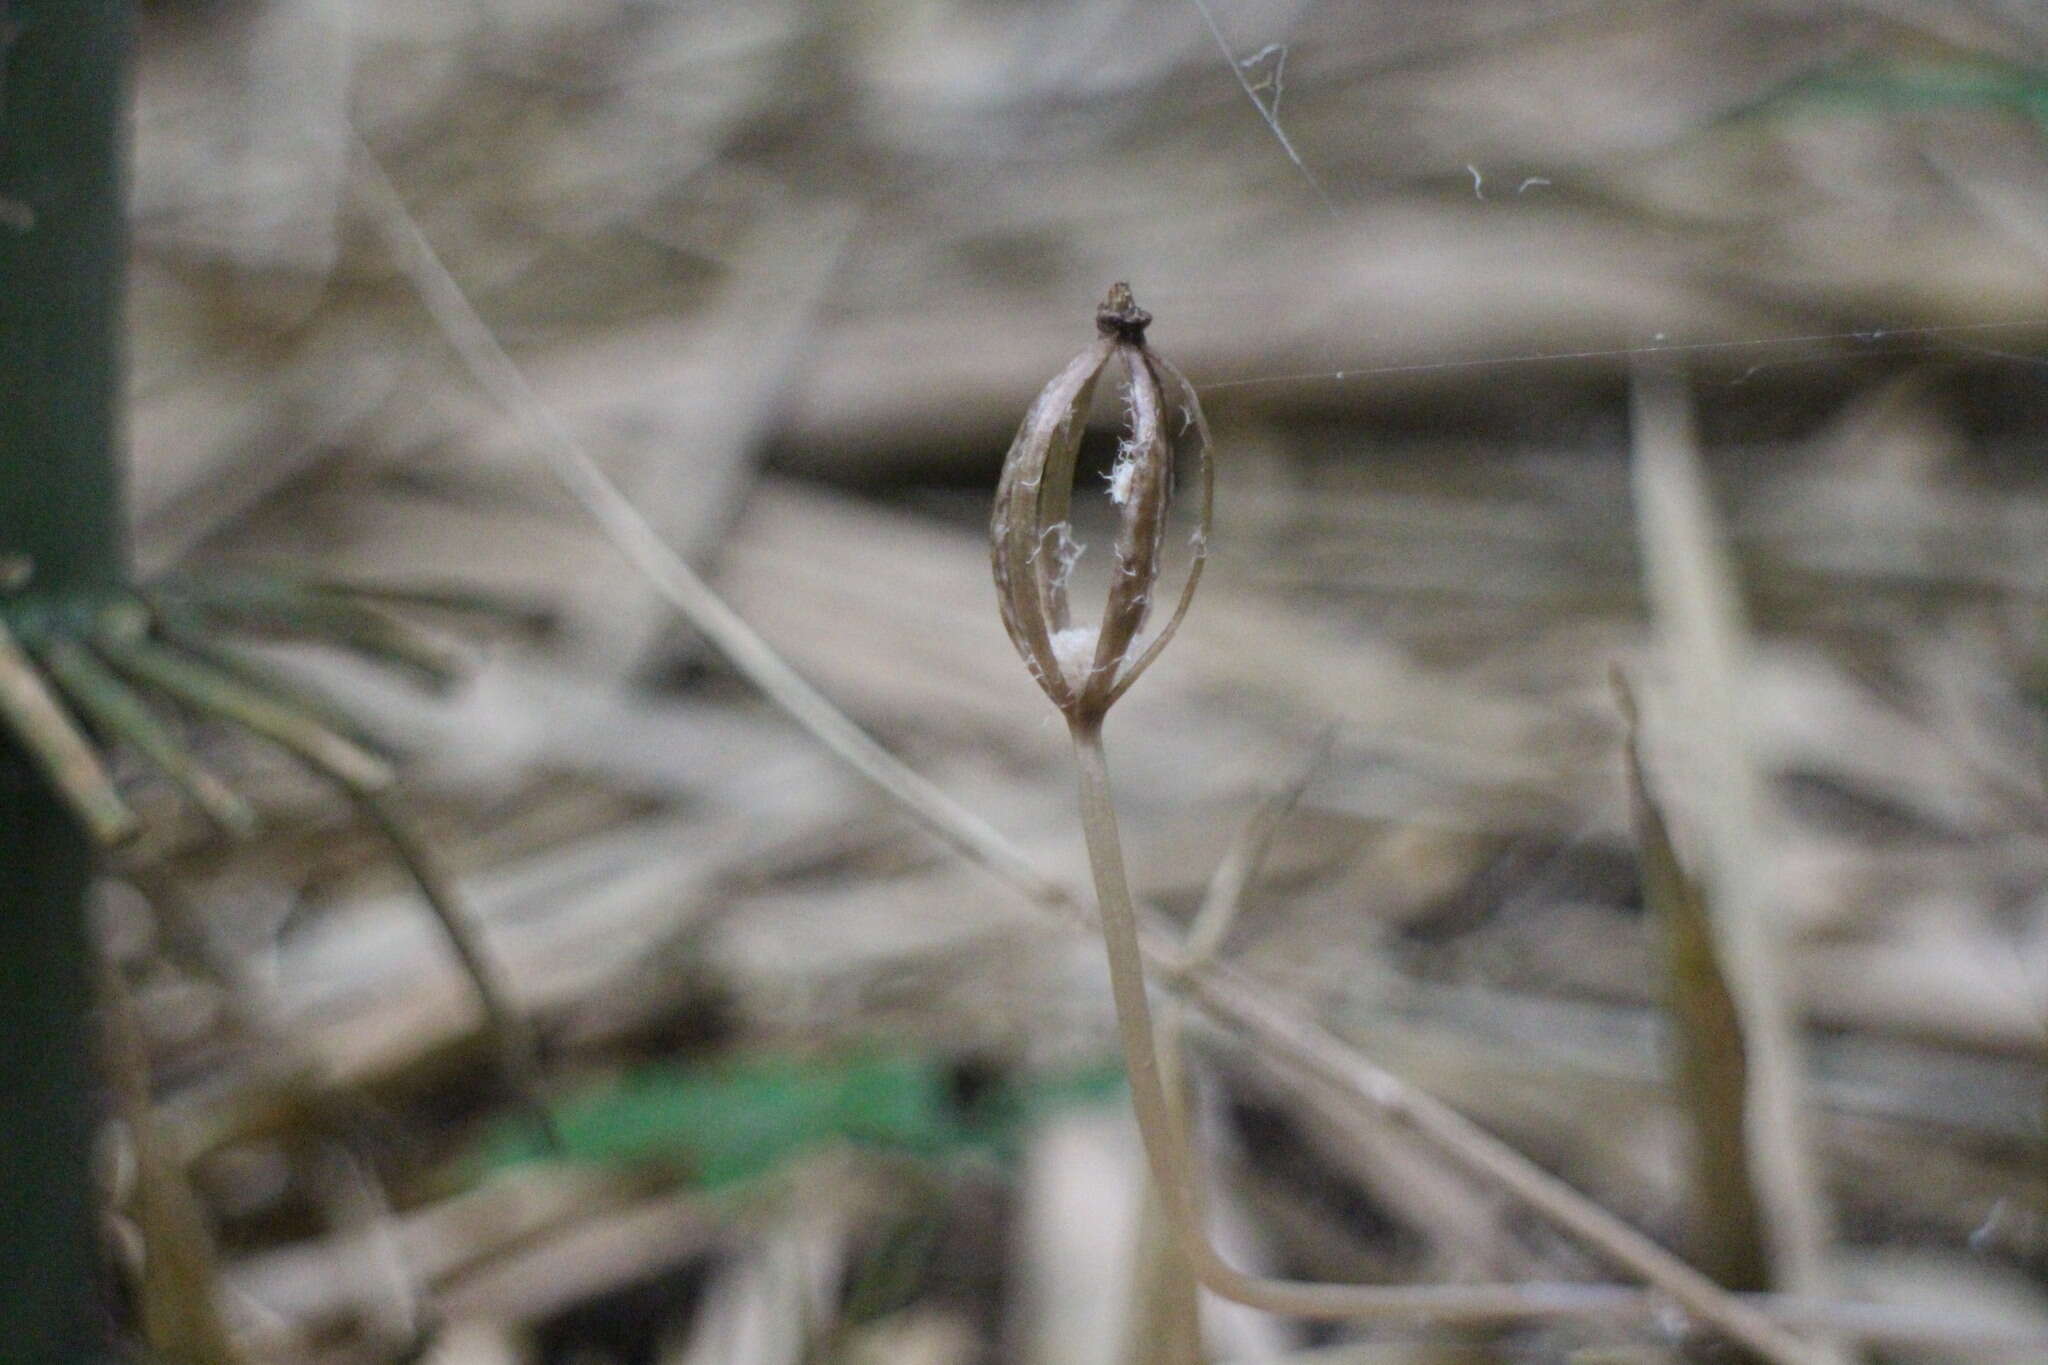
1269, 109
1938, 334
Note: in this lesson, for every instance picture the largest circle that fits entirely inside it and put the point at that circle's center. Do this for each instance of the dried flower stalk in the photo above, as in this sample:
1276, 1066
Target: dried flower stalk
1084, 672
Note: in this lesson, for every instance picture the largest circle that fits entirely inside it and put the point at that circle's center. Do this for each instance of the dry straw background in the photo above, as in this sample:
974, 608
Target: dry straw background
790, 273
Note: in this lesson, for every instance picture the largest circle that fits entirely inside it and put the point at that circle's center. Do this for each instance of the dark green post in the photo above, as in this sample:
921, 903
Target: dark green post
63, 243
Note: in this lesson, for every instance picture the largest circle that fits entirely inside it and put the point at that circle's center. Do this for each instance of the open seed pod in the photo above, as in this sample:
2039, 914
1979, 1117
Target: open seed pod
1085, 667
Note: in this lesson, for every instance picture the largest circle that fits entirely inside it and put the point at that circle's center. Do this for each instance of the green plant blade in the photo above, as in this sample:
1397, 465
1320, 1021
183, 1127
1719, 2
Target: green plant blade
113, 707
32, 713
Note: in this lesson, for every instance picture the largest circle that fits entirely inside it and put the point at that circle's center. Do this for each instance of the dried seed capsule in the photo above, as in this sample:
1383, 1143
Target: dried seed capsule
1084, 668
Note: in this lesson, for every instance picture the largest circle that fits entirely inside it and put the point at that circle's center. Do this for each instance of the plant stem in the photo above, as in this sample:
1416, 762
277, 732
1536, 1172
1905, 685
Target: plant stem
1172, 1163
667, 572
1166, 1147
63, 98
1697, 604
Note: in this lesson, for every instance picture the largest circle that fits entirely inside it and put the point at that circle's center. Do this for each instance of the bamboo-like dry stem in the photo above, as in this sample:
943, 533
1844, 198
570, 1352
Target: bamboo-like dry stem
1700, 615
64, 137
1708, 1053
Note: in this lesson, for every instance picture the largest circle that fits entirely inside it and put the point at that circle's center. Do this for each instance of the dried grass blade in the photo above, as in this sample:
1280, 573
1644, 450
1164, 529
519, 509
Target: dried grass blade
1709, 1059
1699, 614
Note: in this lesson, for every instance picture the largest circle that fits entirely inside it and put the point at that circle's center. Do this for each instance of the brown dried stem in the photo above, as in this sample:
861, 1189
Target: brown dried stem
667, 572
1031, 517
1709, 1055
1697, 603
1174, 1170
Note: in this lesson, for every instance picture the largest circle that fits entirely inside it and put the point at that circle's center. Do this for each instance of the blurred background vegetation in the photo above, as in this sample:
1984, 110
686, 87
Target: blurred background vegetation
791, 272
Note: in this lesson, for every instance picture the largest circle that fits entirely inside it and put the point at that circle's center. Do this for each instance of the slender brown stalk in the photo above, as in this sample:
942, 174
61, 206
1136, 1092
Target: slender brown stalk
1083, 671
1175, 1175
1166, 1151
178, 1298
667, 572
510, 1031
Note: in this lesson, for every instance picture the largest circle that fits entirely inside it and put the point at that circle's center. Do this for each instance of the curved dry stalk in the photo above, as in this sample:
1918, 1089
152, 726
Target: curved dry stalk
1170, 1287
667, 572
39, 722
1177, 1180
1335, 1074
518, 1046
118, 712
